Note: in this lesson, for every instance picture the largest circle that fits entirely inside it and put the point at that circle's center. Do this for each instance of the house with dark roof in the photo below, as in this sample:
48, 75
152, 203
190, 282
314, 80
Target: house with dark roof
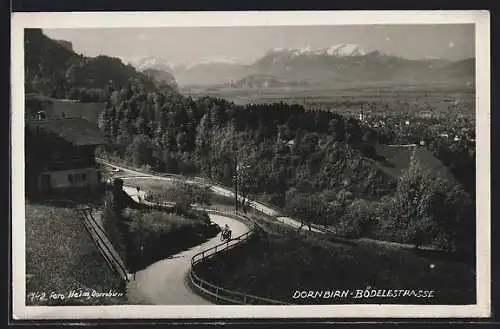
60, 154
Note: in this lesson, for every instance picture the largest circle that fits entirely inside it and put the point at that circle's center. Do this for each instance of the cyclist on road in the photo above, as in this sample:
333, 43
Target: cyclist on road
226, 233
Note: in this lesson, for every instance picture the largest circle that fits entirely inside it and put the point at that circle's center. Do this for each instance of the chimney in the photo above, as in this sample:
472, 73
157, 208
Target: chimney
41, 115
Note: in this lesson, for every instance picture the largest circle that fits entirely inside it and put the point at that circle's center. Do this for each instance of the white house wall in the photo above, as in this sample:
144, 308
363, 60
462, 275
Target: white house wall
60, 179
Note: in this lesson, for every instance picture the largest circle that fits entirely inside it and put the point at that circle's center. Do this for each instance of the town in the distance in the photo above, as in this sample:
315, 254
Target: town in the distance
304, 173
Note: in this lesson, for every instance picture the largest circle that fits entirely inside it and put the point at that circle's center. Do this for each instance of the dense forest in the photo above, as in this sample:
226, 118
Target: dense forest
282, 145
319, 166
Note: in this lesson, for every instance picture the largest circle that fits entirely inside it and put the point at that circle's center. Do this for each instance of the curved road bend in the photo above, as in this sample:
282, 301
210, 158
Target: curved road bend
164, 282
217, 189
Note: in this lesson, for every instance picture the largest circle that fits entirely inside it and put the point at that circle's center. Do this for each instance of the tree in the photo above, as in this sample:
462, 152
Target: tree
188, 194
170, 162
432, 209
141, 150
413, 218
358, 219
336, 128
218, 115
306, 208
245, 180
353, 131
182, 141
453, 213
124, 131
203, 144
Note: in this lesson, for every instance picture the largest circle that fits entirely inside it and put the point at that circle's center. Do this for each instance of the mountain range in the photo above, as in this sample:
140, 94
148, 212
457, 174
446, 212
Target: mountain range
334, 64
52, 68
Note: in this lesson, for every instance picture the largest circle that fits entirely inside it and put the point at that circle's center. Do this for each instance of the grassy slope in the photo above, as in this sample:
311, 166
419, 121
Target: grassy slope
156, 186
395, 160
167, 190
56, 107
61, 256
89, 111
281, 262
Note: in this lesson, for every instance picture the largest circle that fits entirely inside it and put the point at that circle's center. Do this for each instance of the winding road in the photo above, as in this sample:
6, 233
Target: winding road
220, 190
127, 172
165, 282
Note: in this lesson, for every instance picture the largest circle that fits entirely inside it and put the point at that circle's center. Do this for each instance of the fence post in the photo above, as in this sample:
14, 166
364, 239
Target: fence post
244, 299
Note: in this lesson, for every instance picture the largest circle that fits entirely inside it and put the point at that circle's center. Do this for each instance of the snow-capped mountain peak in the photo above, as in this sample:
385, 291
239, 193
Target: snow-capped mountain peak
340, 50
147, 62
345, 50
432, 58
213, 60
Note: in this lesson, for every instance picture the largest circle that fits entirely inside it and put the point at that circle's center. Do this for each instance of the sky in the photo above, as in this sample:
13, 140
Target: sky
246, 44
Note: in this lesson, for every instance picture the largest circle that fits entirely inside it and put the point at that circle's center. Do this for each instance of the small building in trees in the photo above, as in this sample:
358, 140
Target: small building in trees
60, 154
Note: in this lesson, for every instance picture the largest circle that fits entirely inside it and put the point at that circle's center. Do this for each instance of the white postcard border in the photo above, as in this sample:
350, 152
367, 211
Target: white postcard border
481, 19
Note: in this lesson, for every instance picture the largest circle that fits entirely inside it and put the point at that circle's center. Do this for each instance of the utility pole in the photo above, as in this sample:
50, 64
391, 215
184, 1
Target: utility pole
235, 182
210, 140
235, 154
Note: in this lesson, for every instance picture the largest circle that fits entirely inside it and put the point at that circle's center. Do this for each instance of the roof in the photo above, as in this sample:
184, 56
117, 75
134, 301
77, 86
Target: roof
76, 130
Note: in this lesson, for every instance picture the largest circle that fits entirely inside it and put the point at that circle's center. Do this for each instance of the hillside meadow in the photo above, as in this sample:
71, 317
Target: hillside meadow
279, 262
62, 257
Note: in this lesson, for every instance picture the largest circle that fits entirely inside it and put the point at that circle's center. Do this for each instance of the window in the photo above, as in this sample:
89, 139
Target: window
76, 178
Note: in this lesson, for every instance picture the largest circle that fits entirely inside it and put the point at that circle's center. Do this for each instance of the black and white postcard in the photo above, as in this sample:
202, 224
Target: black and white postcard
221, 165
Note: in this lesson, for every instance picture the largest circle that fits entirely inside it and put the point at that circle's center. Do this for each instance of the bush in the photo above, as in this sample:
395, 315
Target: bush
152, 225
186, 194
306, 208
155, 235
359, 220
195, 215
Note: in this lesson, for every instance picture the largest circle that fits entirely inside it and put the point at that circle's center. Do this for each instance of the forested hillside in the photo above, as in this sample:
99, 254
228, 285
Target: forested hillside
284, 145
53, 69
318, 165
